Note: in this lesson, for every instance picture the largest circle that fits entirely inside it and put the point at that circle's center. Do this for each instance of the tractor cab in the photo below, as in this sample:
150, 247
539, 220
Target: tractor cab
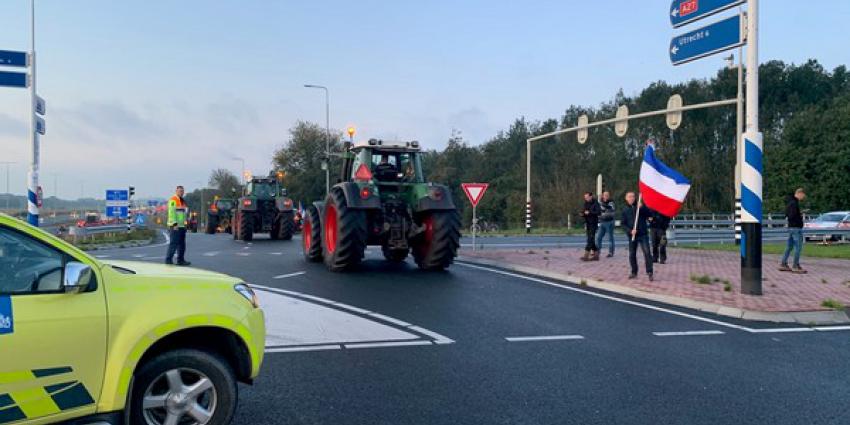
385, 163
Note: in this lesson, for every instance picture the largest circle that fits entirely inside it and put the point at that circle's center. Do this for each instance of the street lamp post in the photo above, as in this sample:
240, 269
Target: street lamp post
328, 135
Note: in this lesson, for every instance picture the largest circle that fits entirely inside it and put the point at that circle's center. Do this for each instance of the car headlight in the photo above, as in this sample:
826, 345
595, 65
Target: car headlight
246, 291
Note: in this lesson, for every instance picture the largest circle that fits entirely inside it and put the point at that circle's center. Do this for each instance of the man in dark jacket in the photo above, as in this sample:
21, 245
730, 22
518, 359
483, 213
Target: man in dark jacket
637, 233
658, 224
795, 232
606, 222
590, 211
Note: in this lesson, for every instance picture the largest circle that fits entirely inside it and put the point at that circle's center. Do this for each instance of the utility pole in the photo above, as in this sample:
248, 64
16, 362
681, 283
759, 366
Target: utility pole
32, 177
8, 195
751, 168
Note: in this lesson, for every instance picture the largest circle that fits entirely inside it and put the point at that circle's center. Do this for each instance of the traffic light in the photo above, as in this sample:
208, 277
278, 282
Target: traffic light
132, 191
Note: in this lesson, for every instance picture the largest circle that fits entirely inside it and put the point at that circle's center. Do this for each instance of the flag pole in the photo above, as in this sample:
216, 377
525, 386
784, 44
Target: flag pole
637, 215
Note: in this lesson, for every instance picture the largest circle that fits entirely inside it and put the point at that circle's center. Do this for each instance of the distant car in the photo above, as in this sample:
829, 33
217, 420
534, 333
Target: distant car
836, 220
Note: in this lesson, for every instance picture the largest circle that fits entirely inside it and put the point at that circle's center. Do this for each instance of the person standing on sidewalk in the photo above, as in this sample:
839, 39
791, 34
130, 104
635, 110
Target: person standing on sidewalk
590, 211
637, 233
606, 222
658, 224
795, 232
176, 223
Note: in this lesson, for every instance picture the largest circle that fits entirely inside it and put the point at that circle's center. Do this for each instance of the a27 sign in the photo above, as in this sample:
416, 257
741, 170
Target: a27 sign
683, 12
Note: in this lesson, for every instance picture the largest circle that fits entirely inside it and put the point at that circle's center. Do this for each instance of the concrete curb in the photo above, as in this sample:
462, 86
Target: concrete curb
818, 317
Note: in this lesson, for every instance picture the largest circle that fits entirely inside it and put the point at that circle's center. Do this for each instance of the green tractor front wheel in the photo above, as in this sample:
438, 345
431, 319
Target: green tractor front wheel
311, 235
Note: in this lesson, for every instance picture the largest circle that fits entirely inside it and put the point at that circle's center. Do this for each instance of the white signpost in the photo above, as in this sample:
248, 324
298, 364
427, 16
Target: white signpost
474, 192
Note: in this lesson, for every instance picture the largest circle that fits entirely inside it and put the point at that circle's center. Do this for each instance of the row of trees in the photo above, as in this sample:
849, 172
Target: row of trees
805, 117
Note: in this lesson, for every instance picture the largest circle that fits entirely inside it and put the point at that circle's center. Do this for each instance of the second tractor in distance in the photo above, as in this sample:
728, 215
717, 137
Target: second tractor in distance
264, 208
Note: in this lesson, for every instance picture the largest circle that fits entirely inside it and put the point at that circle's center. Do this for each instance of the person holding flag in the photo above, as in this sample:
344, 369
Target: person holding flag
662, 189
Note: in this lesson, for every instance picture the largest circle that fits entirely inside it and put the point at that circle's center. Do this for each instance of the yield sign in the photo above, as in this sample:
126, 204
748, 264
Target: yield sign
474, 191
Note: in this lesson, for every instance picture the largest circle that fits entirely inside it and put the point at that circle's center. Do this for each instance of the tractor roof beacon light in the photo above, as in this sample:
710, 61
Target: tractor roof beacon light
351, 132
373, 142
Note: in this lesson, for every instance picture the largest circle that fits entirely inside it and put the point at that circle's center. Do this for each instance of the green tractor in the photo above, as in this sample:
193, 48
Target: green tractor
382, 199
220, 215
264, 208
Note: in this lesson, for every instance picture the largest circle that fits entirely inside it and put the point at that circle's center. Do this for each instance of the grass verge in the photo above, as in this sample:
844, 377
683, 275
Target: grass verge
841, 251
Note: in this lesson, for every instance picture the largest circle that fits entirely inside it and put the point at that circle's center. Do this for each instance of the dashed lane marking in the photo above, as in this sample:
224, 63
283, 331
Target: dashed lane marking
543, 338
688, 333
652, 307
243, 254
211, 254
284, 276
275, 253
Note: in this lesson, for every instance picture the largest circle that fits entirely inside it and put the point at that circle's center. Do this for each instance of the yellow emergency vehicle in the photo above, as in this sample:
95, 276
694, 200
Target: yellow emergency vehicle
118, 342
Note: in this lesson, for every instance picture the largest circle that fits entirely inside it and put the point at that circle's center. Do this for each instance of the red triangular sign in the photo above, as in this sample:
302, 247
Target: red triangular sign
474, 191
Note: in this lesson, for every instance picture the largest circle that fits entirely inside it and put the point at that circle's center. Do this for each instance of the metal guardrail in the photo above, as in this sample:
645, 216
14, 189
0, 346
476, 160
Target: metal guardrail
82, 232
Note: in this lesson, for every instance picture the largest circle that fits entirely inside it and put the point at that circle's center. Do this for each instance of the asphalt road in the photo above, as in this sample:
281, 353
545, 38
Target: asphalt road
388, 344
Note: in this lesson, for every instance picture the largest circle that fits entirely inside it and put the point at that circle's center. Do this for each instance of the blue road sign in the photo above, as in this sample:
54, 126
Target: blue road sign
139, 220
120, 212
117, 195
706, 41
13, 79
12, 58
683, 12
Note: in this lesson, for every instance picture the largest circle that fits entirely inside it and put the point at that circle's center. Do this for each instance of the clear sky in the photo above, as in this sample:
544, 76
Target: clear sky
158, 92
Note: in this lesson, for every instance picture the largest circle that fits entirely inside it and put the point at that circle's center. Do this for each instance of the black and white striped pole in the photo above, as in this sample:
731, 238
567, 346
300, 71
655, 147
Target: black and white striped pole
752, 168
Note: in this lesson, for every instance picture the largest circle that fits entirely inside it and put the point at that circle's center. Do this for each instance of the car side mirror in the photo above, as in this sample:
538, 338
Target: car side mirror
77, 277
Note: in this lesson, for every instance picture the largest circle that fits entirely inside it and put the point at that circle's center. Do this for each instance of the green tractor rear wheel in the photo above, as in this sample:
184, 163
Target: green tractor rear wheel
212, 224
287, 227
343, 233
436, 247
246, 227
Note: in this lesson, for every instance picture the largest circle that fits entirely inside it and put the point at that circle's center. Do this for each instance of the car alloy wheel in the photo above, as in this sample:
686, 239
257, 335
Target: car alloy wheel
179, 397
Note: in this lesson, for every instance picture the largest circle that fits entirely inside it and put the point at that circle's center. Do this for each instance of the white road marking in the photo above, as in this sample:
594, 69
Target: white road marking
243, 254
138, 255
293, 321
652, 307
832, 328
246, 247
275, 253
211, 254
438, 339
688, 333
543, 338
307, 348
284, 276
102, 256
387, 344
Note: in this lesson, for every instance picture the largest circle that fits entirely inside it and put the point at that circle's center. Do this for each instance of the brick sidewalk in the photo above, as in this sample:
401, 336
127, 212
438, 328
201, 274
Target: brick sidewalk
783, 292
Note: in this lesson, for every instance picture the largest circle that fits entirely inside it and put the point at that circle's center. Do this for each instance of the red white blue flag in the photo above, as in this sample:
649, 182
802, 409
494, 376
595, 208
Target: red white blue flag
663, 189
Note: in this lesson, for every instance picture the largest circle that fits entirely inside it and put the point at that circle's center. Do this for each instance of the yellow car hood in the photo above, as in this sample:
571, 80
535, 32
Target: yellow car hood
144, 269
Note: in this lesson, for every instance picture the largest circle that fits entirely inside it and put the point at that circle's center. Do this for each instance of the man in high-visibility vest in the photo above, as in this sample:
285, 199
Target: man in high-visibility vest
178, 214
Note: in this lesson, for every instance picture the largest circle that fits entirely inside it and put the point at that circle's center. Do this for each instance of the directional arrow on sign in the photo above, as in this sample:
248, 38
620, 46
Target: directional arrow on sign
474, 191
683, 12
706, 41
